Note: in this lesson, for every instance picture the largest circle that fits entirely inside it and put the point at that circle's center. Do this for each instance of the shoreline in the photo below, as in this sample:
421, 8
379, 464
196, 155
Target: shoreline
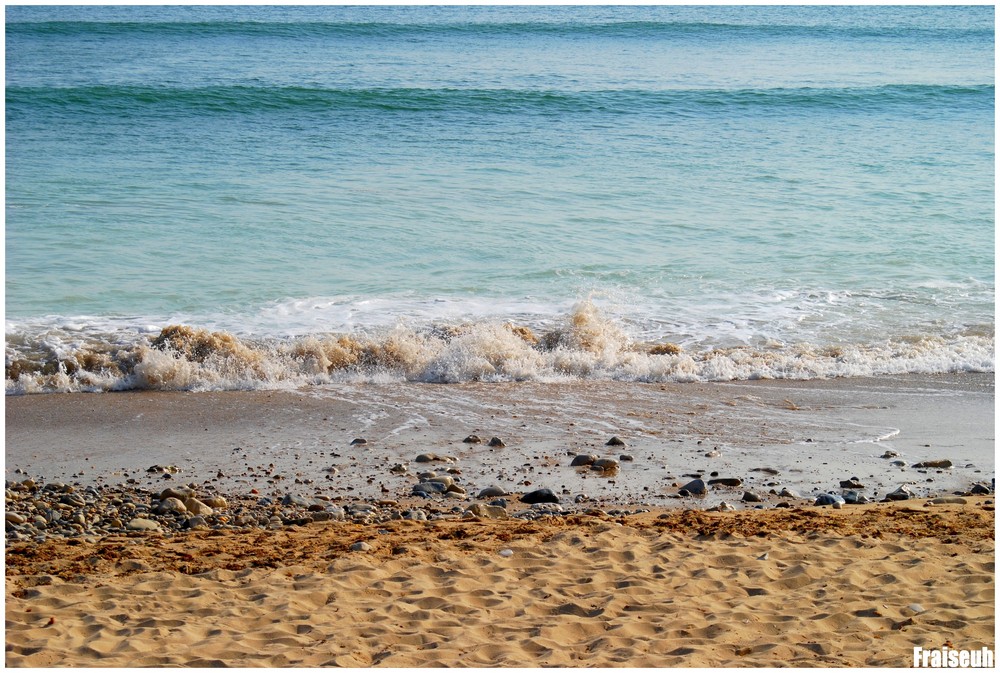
804, 436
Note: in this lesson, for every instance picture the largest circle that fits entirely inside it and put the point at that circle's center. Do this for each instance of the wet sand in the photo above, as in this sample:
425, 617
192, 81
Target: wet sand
808, 436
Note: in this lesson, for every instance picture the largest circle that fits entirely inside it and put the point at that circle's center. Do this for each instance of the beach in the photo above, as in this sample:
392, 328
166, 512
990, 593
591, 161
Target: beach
317, 547
859, 586
499, 336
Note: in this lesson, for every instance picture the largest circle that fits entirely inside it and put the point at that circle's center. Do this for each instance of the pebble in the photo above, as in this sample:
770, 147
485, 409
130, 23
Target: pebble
615, 441
399, 468
949, 500
359, 441
829, 499
583, 459
695, 487
473, 439
491, 492
497, 442
143, 524
890, 454
940, 464
481, 511
750, 496
171, 506
506, 553
14, 517
605, 464
433, 457
361, 546
901, 493
788, 493
726, 481
851, 483
542, 495
722, 507
626, 458
980, 489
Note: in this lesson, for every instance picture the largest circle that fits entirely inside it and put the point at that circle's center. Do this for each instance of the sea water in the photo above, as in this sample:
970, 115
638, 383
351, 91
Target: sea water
252, 197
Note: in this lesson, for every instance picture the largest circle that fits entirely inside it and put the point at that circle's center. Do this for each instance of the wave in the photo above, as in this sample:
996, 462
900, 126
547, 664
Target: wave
483, 29
584, 345
140, 100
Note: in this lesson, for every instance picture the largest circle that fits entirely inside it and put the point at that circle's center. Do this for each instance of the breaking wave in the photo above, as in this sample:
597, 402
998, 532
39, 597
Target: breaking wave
584, 345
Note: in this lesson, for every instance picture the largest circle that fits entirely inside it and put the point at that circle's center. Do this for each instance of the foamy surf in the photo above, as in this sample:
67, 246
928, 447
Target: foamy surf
585, 344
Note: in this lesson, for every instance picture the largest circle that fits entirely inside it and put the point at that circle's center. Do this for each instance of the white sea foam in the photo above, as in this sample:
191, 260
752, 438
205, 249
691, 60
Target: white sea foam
585, 343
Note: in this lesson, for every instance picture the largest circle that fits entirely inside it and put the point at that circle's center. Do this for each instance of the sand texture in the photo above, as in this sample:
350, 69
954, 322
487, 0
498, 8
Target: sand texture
860, 586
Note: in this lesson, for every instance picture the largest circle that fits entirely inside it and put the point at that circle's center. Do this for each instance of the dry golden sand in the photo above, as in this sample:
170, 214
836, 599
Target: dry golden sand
798, 587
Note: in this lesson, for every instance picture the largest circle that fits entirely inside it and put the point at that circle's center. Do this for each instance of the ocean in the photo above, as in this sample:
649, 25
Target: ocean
234, 198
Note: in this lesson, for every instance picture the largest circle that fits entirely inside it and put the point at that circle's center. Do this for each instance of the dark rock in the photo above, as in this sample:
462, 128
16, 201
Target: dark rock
473, 439
726, 481
829, 499
541, 495
901, 493
750, 496
695, 487
359, 441
980, 489
583, 459
496, 441
614, 441
851, 483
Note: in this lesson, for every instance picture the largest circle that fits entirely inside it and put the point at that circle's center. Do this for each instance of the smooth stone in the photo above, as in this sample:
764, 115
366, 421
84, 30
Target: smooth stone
73, 499
359, 441
788, 493
851, 483
726, 481
605, 464
171, 506
215, 501
583, 459
940, 464
197, 507
491, 492
14, 517
506, 553
855, 498
695, 487
898, 463
361, 546
626, 458
499, 502
481, 511
949, 500
430, 487
980, 489
443, 479
143, 524
750, 496
890, 454
916, 607
415, 515
295, 500
829, 499
539, 496
456, 489
615, 441
399, 468
722, 507
473, 439
196, 522
496, 441
182, 493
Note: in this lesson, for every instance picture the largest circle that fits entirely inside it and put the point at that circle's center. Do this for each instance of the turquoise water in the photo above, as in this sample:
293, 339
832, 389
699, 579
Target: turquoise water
807, 191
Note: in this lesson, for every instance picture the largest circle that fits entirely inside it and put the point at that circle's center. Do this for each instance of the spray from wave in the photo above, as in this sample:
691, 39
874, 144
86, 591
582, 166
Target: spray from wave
583, 345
